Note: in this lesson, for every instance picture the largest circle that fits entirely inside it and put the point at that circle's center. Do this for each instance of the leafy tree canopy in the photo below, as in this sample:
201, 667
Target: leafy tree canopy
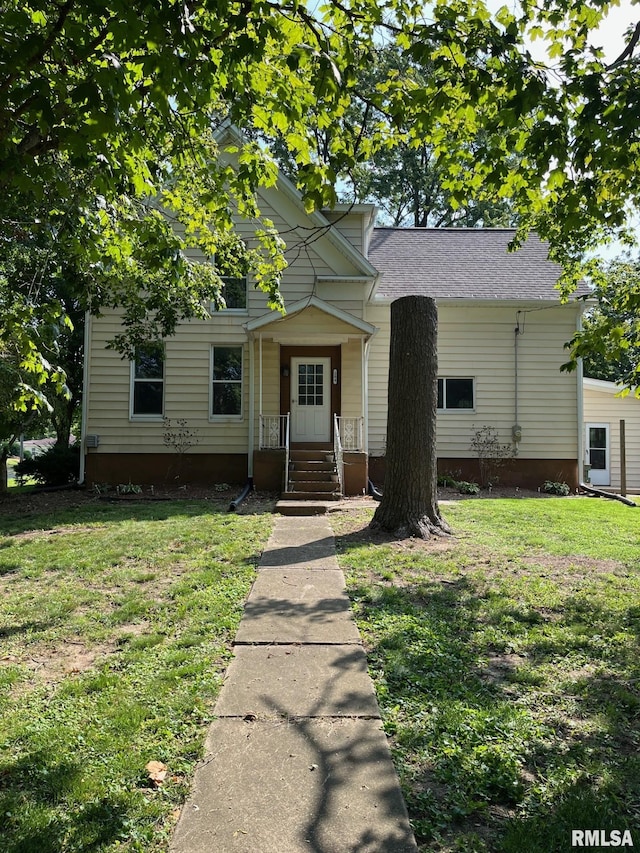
609, 342
107, 113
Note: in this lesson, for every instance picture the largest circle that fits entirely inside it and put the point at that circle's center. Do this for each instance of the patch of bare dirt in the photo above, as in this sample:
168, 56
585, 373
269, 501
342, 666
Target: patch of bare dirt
52, 531
51, 663
499, 667
20, 505
573, 566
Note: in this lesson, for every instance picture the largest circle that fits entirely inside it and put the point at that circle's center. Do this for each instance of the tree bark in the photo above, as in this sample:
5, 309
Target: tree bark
4, 474
409, 505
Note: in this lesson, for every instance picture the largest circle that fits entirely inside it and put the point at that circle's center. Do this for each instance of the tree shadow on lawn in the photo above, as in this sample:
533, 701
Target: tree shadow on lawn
499, 751
37, 512
31, 789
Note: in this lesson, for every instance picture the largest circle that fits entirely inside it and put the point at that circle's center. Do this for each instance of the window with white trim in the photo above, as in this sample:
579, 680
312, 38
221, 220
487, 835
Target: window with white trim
455, 393
226, 381
147, 382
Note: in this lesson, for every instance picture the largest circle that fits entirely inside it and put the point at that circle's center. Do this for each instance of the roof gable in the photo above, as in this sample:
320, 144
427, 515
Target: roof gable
351, 324
303, 230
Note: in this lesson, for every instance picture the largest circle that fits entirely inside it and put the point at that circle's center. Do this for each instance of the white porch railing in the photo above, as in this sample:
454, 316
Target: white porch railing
351, 433
274, 432
337, 452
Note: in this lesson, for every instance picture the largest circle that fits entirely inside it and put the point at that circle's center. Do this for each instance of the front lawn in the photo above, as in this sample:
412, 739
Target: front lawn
507, 662
115, 624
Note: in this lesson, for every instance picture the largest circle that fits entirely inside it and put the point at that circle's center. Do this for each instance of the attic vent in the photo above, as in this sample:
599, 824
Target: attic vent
91, 440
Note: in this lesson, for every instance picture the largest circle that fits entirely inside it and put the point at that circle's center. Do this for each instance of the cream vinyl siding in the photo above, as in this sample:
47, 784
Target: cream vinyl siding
352, 379
601, 405
187, 391
478, 342
270, 379
309, 327
350, 225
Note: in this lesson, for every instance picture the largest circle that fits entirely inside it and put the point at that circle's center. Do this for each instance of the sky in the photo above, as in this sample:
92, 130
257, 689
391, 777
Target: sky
610, 34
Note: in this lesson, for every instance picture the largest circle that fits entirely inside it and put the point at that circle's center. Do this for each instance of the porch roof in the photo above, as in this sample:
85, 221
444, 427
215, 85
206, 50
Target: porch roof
348, 325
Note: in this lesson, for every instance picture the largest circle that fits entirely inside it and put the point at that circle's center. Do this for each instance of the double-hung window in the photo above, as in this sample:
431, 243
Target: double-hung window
226, 381
147, 383
455, 393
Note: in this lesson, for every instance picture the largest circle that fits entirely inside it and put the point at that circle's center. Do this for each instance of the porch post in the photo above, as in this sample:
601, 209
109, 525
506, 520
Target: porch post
364, 358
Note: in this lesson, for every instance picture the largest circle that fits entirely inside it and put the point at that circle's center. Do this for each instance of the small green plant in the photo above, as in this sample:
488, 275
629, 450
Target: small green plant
221, 487
555, 488
492, 455
466, 488
129, 489
179, 435
447, 481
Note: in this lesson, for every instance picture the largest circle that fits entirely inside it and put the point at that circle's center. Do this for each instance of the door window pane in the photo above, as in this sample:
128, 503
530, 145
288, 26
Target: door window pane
310, 384
598, 459
597, 437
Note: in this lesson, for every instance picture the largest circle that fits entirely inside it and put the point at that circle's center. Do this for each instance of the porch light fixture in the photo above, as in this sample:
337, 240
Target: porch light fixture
284, 370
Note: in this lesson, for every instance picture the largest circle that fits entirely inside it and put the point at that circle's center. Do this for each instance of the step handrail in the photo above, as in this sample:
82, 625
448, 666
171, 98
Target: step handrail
287, 451
337, 452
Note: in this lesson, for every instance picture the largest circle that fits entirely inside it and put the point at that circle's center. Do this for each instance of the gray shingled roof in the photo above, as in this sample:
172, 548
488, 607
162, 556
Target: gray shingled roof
471, 263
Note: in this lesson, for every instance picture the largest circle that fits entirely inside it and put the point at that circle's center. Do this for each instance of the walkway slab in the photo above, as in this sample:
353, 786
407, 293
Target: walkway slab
303, 543
310, 786
298, 681
297, 761
298, 606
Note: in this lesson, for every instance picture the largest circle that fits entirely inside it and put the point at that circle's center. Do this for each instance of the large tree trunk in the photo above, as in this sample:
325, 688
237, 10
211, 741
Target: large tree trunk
4, 474
62, 419
409, 505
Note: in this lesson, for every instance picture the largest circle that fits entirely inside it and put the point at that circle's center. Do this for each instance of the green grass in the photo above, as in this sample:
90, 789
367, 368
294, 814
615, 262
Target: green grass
507, 663
115, 623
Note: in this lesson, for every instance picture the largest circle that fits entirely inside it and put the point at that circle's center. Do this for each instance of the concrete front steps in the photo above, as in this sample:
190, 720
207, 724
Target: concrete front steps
313, 483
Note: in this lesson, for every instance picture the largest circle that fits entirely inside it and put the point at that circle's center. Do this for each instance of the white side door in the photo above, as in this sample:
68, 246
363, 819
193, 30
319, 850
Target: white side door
598, 454
310, 399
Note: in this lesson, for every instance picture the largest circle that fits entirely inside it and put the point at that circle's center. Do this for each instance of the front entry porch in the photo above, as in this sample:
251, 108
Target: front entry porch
299, 473
308, 401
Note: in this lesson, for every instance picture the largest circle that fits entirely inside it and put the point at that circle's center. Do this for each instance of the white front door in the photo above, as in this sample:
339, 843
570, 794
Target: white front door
310, 399
598, 454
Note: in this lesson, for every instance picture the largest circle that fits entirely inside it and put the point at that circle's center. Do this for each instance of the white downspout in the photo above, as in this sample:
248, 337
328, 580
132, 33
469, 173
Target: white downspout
252, 405
582, 459
366, 346
85, 396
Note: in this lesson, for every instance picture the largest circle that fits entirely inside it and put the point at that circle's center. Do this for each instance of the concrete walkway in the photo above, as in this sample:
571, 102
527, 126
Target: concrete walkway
297, 759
